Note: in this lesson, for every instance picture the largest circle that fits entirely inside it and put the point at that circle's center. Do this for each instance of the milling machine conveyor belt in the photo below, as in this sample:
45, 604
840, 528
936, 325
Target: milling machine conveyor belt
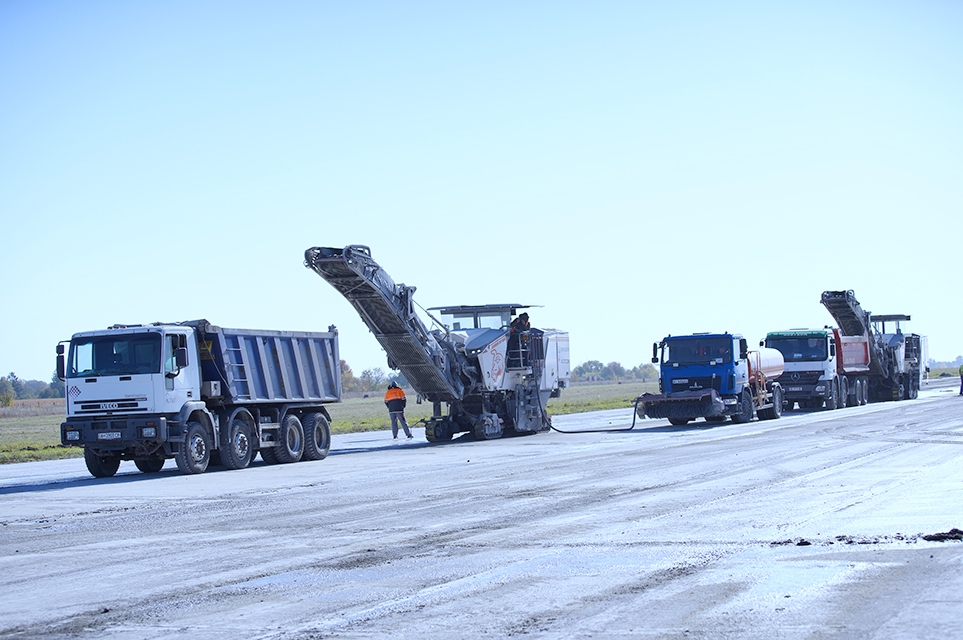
388, 311
845, 310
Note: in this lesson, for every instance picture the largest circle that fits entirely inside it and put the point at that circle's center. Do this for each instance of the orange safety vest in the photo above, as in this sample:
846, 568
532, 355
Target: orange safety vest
394, 394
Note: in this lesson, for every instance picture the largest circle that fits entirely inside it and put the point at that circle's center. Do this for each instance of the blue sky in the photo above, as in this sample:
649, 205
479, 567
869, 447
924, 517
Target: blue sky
636, 168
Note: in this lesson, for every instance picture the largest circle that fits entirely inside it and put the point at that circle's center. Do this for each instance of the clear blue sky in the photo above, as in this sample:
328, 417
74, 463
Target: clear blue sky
637, 168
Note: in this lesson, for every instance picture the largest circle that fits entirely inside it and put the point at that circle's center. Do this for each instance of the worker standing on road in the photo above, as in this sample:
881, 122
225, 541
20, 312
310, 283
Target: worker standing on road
961, 379
395, 401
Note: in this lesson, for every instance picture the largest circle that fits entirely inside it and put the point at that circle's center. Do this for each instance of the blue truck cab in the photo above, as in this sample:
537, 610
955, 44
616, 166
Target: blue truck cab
713, 376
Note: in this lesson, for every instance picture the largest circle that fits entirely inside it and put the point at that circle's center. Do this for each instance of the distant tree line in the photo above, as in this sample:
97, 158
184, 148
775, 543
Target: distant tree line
370, 380
13, 388
595, 371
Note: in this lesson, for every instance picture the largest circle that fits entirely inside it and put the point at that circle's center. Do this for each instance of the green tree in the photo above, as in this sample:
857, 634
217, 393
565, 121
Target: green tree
56, 386
613, 371
590, 370
348, 381
372, 379
645, 372
7, 394
19, 389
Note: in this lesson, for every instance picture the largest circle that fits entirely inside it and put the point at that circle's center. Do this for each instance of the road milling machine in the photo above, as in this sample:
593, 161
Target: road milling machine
494, 380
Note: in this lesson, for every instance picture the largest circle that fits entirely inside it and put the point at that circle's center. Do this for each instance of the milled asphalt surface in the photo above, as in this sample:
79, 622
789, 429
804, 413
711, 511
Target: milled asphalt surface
805, 527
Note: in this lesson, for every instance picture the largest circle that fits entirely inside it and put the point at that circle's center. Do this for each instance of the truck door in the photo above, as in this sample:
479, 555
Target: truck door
181, 383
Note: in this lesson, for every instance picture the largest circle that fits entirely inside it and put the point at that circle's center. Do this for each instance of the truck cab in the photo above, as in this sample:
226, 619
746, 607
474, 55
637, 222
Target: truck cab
128, 388
810, 376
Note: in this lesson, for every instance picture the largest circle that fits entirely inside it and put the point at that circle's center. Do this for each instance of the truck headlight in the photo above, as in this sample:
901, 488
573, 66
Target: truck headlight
820, 388
149, 432
73, 435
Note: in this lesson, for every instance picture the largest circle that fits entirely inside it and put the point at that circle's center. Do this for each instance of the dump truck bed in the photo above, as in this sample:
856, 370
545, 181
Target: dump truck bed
255, 366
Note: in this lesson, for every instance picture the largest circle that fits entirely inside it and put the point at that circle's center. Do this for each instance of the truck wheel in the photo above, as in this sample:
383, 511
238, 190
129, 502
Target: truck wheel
317, 436
843, 393
775, 411
236, 446
830, 402
679, 421
290, 446
268, 455
101, 466
745, 408
150, 465
194, 454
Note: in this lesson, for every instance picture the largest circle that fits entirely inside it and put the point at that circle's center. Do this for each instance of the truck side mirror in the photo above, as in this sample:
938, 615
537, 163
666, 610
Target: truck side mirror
762, 343
61, 366
180, 357
655, 353
743, 349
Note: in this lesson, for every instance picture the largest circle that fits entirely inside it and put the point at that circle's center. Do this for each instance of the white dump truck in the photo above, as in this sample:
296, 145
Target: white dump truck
194, 392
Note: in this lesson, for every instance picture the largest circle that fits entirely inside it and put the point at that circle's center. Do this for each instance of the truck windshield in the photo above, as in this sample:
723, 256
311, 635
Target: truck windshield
115, 355
799, 349
698, 351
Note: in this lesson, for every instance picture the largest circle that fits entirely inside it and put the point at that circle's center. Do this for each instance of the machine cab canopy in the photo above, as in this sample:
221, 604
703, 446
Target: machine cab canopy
485, 316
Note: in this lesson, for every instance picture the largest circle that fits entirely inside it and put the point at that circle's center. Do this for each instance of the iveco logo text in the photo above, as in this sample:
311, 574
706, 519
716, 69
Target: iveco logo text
109, 405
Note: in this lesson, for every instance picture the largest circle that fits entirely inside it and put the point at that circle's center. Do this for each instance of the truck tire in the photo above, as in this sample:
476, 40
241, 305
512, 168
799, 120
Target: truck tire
842, 393
150, 465
237, 446
679, 421
268, 455
290, 445
317, 436
194, 454
775, 411
830, 402
101, 466
745, 408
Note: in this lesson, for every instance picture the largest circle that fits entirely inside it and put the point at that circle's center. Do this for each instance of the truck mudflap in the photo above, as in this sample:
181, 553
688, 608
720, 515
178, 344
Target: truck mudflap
685, 404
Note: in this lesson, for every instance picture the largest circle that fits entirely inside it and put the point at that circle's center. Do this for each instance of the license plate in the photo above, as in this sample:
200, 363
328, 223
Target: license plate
795, 388
109, 435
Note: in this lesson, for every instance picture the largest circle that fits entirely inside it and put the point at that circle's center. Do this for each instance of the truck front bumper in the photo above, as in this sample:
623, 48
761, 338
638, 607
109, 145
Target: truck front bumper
114, 433
803, 391
686, 404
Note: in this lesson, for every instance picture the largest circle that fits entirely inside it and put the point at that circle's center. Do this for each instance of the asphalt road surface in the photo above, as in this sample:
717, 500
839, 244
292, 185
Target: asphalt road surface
810, 526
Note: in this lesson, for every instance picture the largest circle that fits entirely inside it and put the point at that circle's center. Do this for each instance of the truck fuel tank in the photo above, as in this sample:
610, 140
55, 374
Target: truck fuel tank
767, 361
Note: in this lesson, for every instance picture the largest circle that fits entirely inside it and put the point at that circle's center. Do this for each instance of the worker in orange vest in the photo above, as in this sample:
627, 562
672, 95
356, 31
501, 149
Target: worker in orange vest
395, 401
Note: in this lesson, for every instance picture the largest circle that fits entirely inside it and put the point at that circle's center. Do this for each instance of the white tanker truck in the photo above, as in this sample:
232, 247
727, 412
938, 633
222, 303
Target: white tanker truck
713, 376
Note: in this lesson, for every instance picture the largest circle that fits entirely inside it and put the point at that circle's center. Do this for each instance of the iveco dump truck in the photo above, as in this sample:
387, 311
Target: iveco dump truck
191, 390
713, 376
494, 380
858, 362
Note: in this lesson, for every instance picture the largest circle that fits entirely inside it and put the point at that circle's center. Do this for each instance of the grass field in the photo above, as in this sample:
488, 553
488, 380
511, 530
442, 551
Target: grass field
30, 430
